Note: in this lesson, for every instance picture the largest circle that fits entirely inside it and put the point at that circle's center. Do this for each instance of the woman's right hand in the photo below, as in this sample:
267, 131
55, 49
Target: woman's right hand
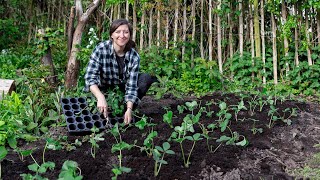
101, 100
102, 106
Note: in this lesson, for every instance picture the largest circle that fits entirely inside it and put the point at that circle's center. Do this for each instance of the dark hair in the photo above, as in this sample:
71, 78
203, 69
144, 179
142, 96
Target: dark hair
118, 22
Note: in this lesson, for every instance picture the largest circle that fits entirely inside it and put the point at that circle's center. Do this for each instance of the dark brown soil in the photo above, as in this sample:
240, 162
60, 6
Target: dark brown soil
269, 155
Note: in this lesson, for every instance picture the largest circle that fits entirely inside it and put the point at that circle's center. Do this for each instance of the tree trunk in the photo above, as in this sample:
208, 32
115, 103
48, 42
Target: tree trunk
193, 16
201, 30
150, 26
263, 42
134, 20
142, 28
308, 37
184, 28
285, 39
158, 24
274, 49
176, 18
230, 36
46, 60
296, 40
167, 30
210, 29
318, 26
72, 72
257, 29
240, 29
71, 29
219, 38
251, 37
127, 9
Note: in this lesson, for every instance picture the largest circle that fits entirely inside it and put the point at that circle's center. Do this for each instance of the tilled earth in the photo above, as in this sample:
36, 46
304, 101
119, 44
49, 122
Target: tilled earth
271, 153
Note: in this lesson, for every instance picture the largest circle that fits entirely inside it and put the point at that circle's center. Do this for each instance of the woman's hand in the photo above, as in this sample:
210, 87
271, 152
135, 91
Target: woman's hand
101, 100
128, 116
102, 106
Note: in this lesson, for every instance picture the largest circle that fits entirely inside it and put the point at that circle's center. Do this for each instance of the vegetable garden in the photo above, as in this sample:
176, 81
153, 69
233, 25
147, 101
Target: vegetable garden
237, 95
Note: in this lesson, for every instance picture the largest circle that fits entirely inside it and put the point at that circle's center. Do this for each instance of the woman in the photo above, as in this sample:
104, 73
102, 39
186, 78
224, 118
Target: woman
115, 63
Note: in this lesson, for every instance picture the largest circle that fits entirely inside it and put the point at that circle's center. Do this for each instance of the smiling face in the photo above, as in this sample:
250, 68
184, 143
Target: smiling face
121, 36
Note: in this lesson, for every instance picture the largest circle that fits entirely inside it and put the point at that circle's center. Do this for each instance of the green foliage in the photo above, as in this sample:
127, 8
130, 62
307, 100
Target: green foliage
12, 61
158, 156
69, 171
12, 126
38, 170
305, 79
241, 70
9, 33
198, 76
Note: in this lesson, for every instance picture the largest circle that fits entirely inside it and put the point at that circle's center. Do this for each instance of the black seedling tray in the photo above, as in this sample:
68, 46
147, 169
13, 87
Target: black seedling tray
80, 120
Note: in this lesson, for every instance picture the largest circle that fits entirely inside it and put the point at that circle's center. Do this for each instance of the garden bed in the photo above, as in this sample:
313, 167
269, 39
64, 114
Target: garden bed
270, 154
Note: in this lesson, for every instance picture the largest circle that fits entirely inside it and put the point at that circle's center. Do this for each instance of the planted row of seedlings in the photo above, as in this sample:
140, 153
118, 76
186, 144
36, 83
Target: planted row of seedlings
183, 130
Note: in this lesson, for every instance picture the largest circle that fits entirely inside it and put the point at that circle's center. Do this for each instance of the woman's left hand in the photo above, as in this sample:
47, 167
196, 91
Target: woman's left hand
128, 116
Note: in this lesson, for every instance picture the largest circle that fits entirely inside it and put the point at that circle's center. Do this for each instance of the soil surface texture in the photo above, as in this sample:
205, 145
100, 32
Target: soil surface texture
270, 154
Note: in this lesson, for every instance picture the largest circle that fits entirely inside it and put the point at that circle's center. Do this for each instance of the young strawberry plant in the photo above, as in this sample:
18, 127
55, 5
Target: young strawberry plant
167, 118
94, 139
69, 171
158, 156
119, 147
238, 108
180, 135
224, 116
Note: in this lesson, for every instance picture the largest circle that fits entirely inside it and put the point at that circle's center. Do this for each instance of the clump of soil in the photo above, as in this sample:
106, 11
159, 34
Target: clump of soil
269, 154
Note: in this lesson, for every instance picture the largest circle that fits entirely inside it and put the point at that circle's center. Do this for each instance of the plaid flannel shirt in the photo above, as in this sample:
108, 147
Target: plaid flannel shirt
103, 70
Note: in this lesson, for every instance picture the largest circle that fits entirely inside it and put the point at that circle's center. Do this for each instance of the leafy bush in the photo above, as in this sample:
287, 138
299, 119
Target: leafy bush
9, 33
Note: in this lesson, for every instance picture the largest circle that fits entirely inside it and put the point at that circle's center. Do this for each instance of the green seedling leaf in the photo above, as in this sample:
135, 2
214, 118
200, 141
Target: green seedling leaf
191, 105
156, 154
120, 146
181, 109
33, 167
196, 136
3, 152
69, 165
116, 171
212, 126
141, 124
125, 169
190, 138
115, 130
159, 148
166, 146
222, 106
170, 152
2, 123
223, 138
26, 152
167, 118
47, 165
180, 140
12, 141
178, 129
228, 116
163, 162
224, 125
241, 106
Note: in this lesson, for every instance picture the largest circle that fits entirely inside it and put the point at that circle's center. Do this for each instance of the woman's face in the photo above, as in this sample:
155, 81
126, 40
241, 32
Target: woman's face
121, 35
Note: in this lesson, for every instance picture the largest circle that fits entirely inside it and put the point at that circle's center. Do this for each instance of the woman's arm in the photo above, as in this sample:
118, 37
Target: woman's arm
102, 104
